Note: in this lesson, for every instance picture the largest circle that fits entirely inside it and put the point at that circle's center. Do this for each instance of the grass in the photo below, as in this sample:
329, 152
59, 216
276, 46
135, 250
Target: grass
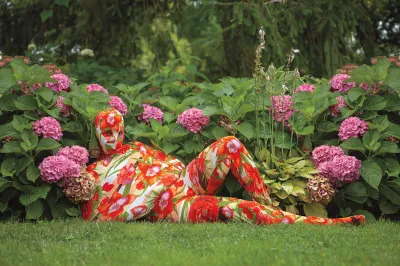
75, 242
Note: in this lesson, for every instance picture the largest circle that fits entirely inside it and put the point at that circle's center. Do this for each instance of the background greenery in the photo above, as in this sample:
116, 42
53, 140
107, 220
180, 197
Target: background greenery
144, 34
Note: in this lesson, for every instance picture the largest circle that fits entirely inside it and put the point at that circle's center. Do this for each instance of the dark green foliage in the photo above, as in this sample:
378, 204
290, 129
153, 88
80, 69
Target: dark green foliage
147, 33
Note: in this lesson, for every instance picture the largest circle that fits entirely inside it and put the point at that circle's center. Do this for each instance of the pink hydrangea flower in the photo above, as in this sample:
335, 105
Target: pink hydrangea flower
335, 109
374, 89
55, 168
75, 153
61, 83
343, 168
352, 127
193, 120
151, 112
325, 153
65, 109
281, 108
118, 104
26, 88
306, 87
96, 87
48, 127
338, 83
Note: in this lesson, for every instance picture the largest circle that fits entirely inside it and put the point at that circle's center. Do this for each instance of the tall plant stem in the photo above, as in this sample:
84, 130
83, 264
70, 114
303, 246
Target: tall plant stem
257, 114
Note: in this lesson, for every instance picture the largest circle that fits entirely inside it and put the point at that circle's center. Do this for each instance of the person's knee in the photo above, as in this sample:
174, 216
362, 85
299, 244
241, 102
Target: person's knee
229, 138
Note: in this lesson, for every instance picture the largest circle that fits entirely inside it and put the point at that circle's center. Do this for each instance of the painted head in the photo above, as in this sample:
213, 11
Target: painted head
110, 130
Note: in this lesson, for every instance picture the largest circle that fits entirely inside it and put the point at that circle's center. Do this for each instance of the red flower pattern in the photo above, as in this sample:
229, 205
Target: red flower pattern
126, 175
204, 209
110, 208
163, 204
162, 172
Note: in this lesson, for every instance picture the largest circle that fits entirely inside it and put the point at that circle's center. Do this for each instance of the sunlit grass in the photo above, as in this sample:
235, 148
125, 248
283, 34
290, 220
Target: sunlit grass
75, 242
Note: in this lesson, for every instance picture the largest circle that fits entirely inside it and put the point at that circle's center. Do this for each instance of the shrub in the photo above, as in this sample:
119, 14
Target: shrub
282, 126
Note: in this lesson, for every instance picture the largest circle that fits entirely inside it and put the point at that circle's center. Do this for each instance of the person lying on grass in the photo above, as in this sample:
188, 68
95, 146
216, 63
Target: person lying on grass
135, 181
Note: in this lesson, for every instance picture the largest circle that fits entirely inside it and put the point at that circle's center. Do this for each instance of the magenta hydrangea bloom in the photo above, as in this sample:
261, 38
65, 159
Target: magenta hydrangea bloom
352, 127
151, 112
26, 87
325, 153
96, 87
306, 87
374, 89
48, 127
193, 120
335, 109
65, 109
61, 83
281, 108
75, 153
341, 168
339, 83
118, 104
55, 168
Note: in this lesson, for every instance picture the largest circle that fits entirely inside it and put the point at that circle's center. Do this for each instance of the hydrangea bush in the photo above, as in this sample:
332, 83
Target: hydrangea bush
321, 145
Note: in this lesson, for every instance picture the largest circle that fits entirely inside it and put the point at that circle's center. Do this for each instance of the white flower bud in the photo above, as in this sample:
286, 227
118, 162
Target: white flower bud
87, 52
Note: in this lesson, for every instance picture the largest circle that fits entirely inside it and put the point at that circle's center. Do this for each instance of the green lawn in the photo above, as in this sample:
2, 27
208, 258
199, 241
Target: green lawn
75, 242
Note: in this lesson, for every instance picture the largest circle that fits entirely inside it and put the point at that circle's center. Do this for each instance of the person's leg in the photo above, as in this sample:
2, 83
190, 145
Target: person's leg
206, 173
203, 208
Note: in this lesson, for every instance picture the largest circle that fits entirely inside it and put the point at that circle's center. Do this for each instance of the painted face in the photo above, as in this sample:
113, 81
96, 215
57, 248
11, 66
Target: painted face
110, 130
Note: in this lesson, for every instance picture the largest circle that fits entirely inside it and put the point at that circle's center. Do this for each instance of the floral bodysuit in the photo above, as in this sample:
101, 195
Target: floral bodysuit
136, 181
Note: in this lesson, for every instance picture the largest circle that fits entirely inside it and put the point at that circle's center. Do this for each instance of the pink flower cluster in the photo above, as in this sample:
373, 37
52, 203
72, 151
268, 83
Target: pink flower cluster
335, 109
151, 112
96, 87
25, 88
343, 168
324, 153
306, 87
352, 127
61, 83
55, 168
115, 101
75, 153
335, 165
281, 108
118, 104
193, 120
338, 83
48, 127
65, 109
66, 164
374, 89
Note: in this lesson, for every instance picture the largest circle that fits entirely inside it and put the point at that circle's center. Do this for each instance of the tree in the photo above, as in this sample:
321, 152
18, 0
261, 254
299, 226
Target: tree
223, 33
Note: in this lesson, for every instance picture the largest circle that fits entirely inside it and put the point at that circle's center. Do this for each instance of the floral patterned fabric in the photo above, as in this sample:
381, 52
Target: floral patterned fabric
136, 181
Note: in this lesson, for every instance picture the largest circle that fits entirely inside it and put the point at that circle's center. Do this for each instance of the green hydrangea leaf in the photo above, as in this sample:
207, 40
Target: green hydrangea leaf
371, 173
73, 212
353, 144
393, 79
34, 210
315, 209
246, 129
7, 79
375, 102
32, 172
31, 194
26, 103
47, 144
